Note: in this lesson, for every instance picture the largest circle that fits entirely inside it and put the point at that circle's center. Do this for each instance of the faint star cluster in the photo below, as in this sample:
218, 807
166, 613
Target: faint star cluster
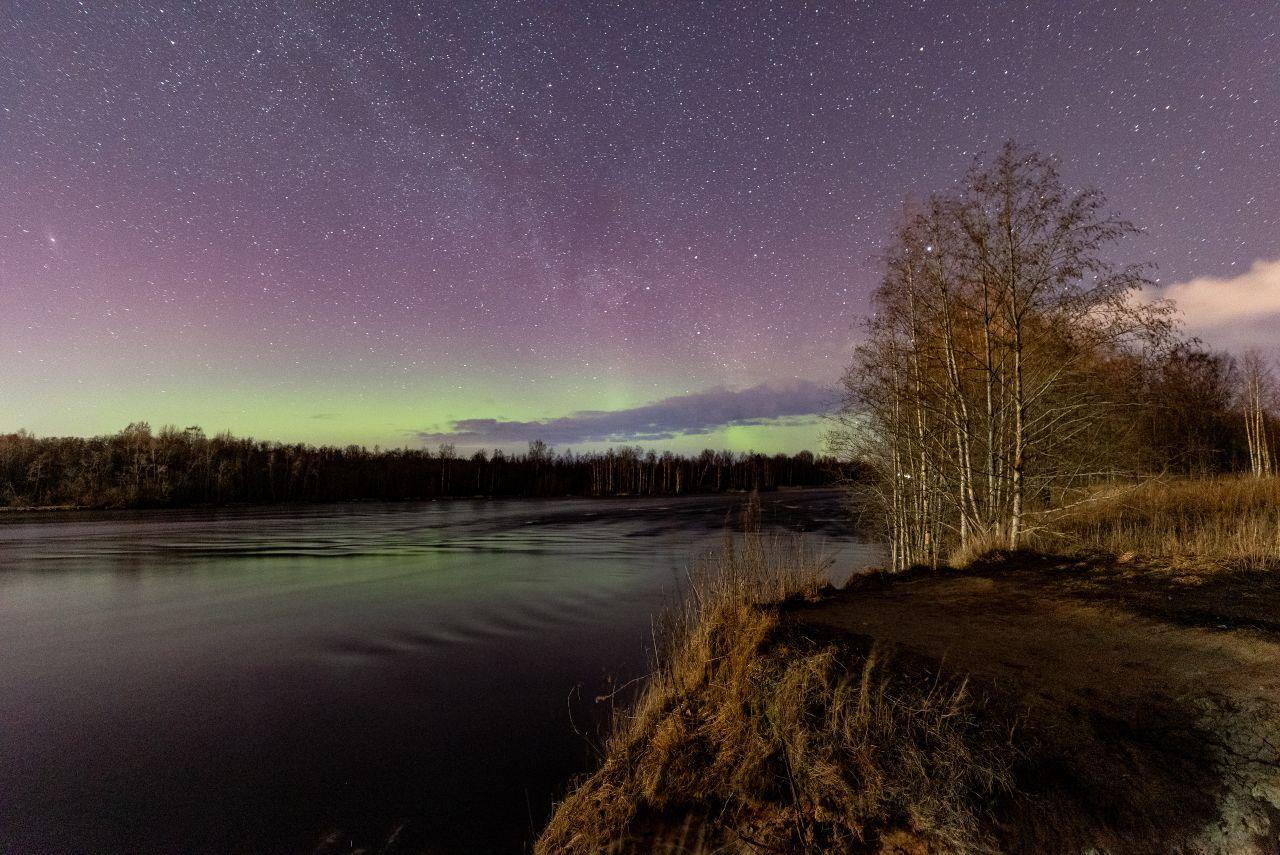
423, 197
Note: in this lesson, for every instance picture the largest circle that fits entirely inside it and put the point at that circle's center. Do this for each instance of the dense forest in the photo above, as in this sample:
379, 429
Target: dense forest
171, 468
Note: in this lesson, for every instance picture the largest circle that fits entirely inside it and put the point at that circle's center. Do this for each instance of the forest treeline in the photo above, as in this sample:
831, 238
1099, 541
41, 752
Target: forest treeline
139, 467
1011, 367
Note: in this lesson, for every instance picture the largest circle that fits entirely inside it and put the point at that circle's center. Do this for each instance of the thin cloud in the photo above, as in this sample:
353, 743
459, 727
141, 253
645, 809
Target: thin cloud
1237, 311
695, 413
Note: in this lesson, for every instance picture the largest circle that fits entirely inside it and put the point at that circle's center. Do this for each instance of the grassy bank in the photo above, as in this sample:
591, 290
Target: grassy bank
1121, 696
749, 739
1226, 521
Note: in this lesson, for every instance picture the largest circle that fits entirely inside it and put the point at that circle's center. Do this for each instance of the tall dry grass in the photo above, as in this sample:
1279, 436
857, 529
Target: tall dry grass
1228, 520
747, 740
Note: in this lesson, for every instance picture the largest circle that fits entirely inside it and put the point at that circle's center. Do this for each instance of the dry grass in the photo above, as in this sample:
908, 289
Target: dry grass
979, 547
1227, 521
754, 735
747, 740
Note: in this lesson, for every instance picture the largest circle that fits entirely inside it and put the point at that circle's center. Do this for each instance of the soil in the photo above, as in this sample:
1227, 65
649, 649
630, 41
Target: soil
1143, 699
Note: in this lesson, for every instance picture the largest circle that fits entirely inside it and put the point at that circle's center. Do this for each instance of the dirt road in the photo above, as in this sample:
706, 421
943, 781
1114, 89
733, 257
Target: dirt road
1144, 702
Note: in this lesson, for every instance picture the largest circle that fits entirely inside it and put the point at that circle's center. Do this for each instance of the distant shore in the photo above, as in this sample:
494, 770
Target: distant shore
142, 468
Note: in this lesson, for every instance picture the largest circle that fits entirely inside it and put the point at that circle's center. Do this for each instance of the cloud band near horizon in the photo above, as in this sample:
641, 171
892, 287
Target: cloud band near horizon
680, 415
1234, 312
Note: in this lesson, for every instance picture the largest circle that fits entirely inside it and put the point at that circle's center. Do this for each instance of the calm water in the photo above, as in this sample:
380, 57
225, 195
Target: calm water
252, 681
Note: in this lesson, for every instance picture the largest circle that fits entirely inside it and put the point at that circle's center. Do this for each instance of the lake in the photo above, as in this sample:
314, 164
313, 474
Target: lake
257, 680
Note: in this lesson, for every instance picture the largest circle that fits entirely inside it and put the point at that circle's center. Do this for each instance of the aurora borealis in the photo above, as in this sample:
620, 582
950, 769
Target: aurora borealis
397, 223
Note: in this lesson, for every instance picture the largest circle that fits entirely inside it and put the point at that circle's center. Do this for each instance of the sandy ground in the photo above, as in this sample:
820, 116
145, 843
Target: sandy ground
1144, 700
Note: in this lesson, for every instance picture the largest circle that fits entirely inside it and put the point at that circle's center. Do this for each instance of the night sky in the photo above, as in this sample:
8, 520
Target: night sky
403, 223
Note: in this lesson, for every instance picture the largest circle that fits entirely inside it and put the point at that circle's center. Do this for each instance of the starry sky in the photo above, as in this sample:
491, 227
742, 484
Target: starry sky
405, 223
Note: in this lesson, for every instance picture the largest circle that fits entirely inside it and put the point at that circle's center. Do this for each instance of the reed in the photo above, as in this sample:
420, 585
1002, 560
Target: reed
1224, 521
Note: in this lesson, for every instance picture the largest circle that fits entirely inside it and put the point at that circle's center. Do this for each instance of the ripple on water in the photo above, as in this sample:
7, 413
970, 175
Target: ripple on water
483, 629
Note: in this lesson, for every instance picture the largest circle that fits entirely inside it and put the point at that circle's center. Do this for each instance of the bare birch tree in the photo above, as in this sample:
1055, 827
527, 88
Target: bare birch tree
1259, 398
994, 359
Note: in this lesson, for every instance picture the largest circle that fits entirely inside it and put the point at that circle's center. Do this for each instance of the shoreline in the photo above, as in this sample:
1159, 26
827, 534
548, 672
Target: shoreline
1075, 699
1042, 703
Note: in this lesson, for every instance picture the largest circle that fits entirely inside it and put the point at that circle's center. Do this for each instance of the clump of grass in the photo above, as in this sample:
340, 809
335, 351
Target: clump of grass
748, 738
979, 546
1233, 521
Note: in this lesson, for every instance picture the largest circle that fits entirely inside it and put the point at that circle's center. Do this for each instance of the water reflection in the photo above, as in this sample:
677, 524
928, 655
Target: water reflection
221, 680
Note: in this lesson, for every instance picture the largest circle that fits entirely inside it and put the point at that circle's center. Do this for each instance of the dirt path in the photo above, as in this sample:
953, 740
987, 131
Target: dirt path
1164, 736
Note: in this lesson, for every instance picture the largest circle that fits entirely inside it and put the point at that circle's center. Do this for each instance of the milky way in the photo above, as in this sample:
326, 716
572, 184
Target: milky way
362, 222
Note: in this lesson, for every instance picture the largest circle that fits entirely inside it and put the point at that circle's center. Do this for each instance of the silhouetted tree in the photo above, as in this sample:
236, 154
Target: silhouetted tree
171, 468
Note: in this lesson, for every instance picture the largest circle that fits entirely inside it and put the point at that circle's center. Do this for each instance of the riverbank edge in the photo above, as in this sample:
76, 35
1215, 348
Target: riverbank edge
751, 737
755, 736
